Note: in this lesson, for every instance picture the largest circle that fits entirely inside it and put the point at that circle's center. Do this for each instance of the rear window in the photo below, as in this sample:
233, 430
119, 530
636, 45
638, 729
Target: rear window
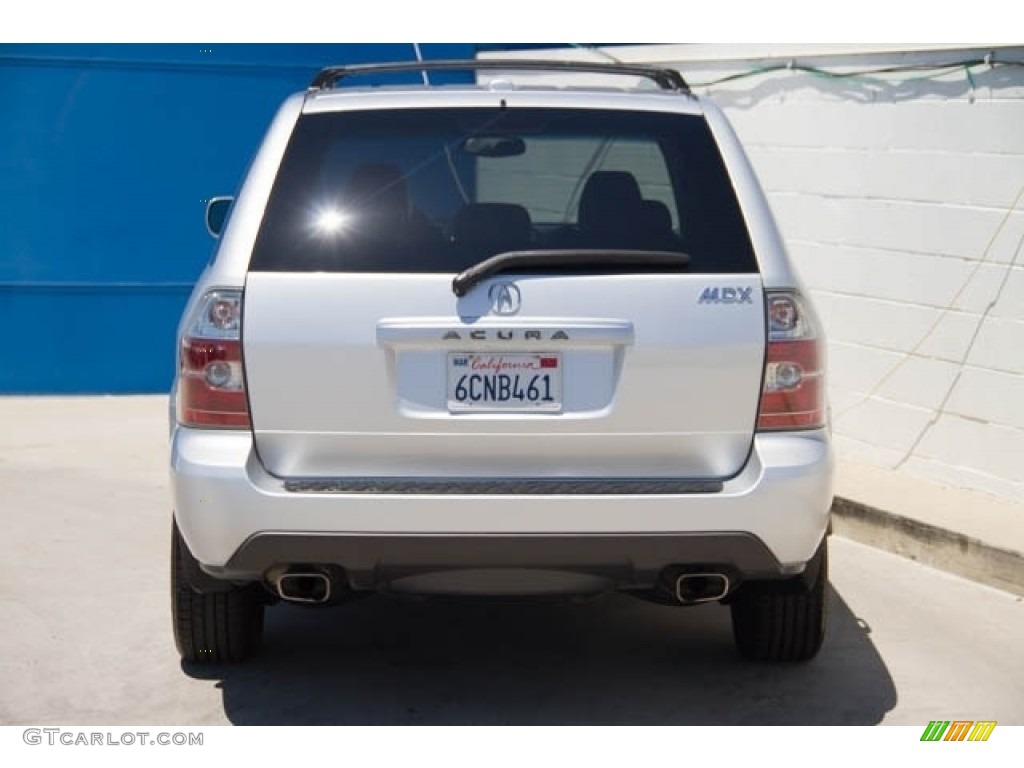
438, 190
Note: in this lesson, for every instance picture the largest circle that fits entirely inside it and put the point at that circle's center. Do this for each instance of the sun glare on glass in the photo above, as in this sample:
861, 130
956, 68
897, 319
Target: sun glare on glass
330, 221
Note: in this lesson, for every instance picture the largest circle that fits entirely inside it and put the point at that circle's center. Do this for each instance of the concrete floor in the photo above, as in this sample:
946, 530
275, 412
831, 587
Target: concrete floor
86, 632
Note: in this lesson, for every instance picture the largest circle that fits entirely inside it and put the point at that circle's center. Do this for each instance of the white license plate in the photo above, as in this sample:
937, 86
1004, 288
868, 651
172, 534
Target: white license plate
503, 382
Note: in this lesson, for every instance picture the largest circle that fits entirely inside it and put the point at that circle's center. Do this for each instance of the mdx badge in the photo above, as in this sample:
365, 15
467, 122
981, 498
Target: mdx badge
738, 295
504, 298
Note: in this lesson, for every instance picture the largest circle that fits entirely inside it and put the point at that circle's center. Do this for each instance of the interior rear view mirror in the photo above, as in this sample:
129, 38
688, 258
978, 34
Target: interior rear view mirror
494, 146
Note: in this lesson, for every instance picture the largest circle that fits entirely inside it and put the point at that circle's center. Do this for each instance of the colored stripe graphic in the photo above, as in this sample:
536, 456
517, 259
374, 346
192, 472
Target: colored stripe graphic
969, 730
934, 730
958, 730
982, 730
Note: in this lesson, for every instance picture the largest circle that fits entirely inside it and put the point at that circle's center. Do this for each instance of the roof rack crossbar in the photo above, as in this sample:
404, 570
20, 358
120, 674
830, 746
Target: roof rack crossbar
665, 78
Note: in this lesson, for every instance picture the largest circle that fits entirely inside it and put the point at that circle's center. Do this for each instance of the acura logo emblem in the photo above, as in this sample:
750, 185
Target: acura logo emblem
504, 298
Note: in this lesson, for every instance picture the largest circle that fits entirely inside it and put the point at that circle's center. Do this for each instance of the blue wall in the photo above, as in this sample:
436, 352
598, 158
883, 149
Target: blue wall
107, 154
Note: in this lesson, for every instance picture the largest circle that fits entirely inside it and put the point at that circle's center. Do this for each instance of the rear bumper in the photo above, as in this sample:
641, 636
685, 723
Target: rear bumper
623, 560
238, 520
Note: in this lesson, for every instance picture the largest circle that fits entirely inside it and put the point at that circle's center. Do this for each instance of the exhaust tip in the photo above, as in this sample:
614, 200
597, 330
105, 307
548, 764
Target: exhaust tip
692, 588
304, 587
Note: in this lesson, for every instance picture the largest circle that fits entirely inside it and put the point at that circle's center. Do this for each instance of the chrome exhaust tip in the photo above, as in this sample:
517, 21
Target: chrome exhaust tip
310, 587
693, 588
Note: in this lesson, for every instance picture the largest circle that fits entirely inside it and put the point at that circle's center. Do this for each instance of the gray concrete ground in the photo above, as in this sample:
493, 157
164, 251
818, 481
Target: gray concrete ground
964, 532
86, 632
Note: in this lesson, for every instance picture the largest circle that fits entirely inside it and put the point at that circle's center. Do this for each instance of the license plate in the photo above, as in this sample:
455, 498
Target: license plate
503, 382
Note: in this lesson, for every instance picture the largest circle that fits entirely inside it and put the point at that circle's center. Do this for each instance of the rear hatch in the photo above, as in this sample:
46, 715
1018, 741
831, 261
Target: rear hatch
601, 353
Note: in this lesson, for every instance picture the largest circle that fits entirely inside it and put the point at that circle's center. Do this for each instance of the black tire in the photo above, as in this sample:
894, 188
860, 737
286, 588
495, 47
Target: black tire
212, 627
782, 620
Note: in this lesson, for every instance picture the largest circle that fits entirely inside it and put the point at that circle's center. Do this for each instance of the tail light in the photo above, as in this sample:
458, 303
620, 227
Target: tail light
794, 380
211, 388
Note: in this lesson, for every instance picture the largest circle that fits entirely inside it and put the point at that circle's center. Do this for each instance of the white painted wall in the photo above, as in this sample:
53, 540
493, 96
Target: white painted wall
902, 204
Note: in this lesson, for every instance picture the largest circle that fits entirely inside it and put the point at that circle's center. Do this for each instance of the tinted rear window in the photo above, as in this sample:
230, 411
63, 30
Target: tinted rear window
439, 190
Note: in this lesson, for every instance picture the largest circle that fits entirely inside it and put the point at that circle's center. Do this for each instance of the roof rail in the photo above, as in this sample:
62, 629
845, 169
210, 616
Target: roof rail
666, 79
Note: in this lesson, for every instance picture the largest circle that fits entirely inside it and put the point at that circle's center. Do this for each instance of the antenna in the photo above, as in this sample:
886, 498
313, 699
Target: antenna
419, 58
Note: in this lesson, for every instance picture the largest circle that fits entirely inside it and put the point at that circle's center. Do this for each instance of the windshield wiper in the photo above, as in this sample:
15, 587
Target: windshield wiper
466, 280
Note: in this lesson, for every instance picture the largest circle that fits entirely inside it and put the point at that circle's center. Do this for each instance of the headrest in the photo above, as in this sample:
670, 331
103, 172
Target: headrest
608, 196
656, 217
503, 224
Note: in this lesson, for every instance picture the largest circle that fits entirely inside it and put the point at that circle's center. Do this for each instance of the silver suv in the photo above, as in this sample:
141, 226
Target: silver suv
495, 339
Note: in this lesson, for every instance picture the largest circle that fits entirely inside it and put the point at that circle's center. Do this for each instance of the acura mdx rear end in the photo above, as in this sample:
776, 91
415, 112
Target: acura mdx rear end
495, 340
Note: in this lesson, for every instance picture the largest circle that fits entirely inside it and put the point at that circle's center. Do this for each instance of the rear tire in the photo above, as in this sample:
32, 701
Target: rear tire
781, 620
212, 627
